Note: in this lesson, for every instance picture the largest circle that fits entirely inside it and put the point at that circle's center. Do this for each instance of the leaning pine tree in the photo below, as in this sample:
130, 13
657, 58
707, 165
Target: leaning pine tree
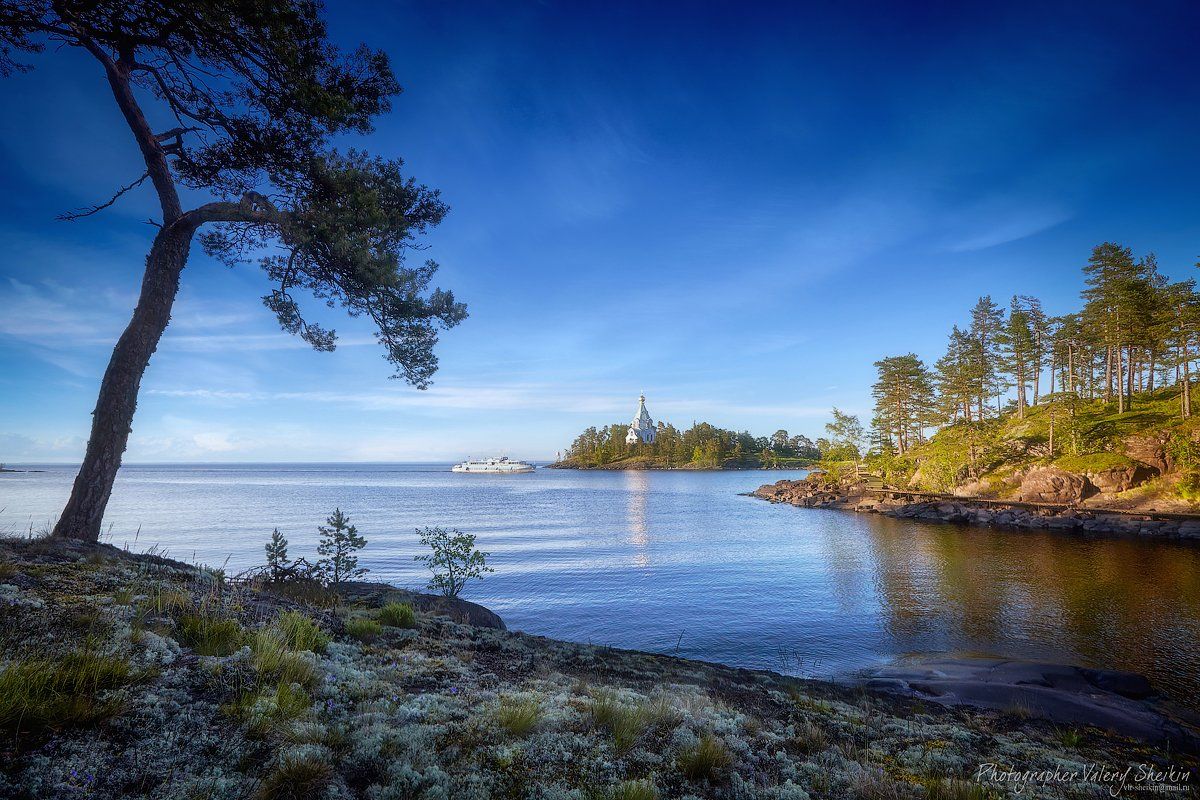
255, 91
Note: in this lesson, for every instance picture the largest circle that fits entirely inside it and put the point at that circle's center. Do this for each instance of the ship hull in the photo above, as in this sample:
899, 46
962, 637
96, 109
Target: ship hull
487, 470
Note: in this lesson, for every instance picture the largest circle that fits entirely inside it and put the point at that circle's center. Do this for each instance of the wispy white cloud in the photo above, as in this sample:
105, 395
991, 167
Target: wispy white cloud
526, 397
465, 396
1001, 226
62, 325
51, 312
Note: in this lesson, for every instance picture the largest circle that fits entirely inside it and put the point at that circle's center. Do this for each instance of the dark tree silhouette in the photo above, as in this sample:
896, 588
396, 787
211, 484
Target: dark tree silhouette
255, 91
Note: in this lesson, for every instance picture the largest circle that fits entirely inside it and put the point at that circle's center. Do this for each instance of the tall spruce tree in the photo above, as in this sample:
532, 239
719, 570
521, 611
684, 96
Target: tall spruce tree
987, 323
1019, 349
904, 394
1118, 308
955, 378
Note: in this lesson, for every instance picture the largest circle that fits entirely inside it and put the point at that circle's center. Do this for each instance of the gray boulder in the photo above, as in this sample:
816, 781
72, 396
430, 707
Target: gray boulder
1119, 479
1054, 485
1151, 448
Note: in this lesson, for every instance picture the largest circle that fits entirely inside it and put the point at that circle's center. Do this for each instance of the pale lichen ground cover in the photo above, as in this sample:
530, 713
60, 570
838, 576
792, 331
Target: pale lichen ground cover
440, 710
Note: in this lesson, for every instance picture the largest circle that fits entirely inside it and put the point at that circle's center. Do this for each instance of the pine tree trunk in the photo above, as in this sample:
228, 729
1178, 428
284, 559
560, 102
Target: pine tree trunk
1129, 377
1120, 383
1020, 393
1108, 370
1187, 381
112, 419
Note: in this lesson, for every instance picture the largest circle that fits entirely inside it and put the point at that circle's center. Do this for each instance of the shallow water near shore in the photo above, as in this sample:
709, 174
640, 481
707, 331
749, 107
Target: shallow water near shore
681, 563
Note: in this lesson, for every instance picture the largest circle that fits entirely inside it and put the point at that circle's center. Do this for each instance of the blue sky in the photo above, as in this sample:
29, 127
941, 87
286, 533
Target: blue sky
736, 208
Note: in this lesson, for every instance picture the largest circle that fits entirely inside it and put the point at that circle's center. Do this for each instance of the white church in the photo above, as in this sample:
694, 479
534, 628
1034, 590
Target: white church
642, 427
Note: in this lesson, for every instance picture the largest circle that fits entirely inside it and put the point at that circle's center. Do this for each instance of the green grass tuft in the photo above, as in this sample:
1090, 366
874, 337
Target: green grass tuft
208, 635
635, 790
956, 789
296, 778
1069, 737
811, 737
267, 709
273, 660
706, 760
301, 633
398, 615
519, 715
1093, 462
626, 723
364, 630
42, 694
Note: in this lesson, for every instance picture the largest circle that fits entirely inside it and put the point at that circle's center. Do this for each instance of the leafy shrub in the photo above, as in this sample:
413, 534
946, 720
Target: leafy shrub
364, 630
296, 778
57, 693
705, 760
454, 559
519, 715
208, 635
398, 615
301, 633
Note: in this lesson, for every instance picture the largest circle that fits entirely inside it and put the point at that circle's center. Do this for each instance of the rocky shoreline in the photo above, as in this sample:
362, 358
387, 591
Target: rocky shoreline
196, 687
818, 492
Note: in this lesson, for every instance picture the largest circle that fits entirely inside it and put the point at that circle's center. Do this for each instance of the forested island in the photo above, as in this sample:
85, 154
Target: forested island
700, 447
1091, 409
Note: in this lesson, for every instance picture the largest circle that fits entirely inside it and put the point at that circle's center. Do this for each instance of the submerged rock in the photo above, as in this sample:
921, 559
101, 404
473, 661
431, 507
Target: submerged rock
1063, 694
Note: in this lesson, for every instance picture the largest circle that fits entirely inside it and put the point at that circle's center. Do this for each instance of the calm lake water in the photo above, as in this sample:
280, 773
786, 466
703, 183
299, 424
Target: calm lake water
678, 562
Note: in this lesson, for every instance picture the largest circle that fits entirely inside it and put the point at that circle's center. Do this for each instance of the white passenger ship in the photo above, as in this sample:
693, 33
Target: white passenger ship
494, 465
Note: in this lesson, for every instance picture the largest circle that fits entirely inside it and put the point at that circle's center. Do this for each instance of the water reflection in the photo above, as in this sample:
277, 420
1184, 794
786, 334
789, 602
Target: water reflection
579, 554
637, 483
1041, 595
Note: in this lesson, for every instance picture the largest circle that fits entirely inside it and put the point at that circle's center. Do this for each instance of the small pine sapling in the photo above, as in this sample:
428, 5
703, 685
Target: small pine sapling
339, 543
277, 557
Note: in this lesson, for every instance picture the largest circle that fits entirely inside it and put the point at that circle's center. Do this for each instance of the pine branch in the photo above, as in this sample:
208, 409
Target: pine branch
74, 215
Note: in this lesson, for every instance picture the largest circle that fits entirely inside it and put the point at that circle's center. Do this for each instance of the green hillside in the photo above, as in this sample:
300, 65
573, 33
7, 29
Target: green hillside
1150, 443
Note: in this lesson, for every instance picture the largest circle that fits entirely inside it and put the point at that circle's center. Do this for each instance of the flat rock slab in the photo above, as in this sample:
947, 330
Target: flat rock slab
1108, 699
461, 611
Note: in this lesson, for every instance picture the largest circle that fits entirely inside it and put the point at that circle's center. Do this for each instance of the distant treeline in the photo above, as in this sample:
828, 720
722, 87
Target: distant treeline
702, 445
